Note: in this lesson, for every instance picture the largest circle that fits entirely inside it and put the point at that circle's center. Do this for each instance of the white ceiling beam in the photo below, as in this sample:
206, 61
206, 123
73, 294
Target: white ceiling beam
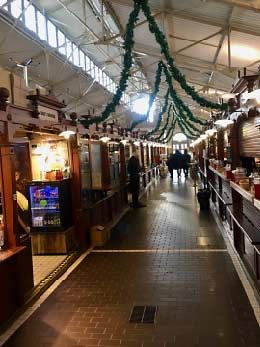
199, 41
252, 5
106, 41
195, 18
221, 41
190, 40
58, 7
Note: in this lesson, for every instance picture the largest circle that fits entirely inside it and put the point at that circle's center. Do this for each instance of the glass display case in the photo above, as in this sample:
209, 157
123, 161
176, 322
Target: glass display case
127, 151
96, 165
49, 204
85, 173
50, 159
114, 163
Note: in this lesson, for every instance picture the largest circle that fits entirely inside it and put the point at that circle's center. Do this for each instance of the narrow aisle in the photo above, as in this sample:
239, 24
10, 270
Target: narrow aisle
167, 255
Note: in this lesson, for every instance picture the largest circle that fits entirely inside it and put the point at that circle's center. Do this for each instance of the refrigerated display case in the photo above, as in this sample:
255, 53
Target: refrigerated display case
50, 205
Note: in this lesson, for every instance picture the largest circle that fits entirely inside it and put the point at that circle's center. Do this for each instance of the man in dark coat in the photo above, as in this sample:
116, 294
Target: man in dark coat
134, 169
186, 162
170, 164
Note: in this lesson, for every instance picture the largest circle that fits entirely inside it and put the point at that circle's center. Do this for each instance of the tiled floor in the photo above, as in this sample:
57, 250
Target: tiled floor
43, 265
169, 255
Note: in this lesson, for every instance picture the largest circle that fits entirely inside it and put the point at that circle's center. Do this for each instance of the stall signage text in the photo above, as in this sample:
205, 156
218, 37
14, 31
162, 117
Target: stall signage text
48, 114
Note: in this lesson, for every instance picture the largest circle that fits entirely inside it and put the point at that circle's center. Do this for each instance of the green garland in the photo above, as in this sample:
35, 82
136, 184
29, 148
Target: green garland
183, 129
128, 61
174, 71
152, 96
176, 74
166, 123
178, 101
164, 109
187, 122
170, 132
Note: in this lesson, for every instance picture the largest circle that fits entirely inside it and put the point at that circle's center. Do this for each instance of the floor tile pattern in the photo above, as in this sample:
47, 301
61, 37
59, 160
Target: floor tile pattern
200, 299
43, 265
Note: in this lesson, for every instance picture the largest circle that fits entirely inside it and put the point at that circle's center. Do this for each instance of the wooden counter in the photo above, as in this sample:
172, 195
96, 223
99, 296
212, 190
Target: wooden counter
219, 174
6, 254
257, 203
246, 194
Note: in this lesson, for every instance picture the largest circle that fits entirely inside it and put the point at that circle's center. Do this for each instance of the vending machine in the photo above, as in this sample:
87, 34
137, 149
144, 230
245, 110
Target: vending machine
50, 205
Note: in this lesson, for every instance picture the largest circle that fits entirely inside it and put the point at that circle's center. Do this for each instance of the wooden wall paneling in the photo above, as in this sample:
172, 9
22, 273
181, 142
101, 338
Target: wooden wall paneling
251, 213
220, 144
235, 145
123, 174
81, 220
142, 155
249, 137
239, 242
9, 301
8, 190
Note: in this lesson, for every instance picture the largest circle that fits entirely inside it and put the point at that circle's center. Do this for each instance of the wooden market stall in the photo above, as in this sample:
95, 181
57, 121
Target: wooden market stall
230, 160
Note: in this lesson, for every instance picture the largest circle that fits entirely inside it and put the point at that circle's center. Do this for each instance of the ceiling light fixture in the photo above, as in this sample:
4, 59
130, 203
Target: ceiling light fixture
204, 136
224, 122
105, 139
211, 132
67, 134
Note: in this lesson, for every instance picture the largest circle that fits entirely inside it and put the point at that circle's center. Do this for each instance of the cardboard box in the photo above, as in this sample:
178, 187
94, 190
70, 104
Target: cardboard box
99, 235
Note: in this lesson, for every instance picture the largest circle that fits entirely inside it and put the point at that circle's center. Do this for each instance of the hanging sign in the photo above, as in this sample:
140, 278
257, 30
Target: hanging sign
48, 114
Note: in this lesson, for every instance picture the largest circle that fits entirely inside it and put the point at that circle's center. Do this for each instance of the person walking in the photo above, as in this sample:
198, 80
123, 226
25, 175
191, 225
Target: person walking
178, 162
186, 162
170, 164
134, 170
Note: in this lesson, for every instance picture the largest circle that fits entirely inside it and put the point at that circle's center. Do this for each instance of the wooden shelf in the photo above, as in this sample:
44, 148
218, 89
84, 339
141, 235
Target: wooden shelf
219, 174
247, 195
6, 254
257, 203
221, 196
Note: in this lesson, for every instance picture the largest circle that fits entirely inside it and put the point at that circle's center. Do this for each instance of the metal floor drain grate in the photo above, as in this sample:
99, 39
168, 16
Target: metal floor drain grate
143, 314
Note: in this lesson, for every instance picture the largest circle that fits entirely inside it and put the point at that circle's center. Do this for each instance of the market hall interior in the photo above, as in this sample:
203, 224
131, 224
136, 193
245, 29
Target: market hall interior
129, 172
169, 255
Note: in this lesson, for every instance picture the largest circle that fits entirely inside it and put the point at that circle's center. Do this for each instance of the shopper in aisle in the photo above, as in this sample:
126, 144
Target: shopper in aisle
186, 162
134, 169
177, 162
170, 164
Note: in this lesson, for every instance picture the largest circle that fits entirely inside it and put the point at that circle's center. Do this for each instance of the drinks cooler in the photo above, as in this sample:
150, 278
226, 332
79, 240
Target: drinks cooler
50, 205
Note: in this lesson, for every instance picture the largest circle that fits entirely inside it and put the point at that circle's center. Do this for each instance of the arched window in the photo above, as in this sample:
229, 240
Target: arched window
180, 142
179, 137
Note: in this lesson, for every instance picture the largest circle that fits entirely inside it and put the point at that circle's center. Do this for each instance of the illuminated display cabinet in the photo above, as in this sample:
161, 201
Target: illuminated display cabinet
49, 204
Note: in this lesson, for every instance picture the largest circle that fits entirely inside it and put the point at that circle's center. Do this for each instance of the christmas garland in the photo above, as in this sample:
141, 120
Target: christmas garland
170, 132
164, 109
186, 121
176, 74
183, 129
166, 123
178, 101
128, 61
152, 96
174, 71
